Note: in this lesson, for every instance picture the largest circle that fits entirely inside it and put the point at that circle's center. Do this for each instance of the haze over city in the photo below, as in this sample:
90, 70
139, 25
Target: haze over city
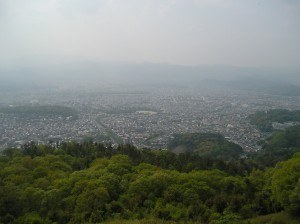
150, 111
106, 58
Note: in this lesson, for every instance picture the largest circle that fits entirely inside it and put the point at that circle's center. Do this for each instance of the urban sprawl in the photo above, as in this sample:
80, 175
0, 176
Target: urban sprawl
145, 118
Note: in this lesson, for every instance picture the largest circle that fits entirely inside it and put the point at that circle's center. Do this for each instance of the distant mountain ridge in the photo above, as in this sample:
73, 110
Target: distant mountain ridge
90, 73
256, 84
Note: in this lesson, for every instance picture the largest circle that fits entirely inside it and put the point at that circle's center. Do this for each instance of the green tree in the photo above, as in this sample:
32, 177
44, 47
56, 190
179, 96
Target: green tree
285, 184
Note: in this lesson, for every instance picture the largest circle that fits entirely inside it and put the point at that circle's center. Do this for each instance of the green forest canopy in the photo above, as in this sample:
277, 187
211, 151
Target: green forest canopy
92, 183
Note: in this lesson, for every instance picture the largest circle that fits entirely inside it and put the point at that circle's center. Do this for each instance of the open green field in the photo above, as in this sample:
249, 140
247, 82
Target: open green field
40, 110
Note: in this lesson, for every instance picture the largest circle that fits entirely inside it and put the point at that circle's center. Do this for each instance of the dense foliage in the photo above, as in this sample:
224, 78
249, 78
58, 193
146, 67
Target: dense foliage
40, 110
263, 119
206, 145
93, 183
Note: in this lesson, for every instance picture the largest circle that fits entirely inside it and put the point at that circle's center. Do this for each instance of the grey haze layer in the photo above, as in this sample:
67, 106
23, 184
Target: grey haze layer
256, 33
92, 75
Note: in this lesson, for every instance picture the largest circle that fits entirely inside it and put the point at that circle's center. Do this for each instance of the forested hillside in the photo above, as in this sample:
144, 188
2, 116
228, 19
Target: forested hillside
94, 183
279, 147
205, 145
264, 119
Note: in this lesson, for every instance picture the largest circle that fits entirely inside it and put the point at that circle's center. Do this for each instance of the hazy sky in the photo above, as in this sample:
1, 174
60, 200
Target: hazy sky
228, 32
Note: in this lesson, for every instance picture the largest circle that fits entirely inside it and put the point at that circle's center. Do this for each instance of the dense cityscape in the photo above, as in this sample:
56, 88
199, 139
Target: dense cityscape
145, 118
